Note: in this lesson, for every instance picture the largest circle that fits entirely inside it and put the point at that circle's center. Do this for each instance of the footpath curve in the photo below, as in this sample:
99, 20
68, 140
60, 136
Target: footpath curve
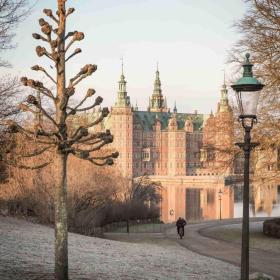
260, 260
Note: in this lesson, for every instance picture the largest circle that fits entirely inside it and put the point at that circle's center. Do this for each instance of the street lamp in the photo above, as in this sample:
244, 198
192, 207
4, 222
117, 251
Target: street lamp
247, 91
220, 199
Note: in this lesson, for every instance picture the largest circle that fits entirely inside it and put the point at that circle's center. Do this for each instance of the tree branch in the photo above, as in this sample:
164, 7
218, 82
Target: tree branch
86, 71
32, 100
37, 86
107, 139
36, 152
39, 68
112, 155
22, 166
108, 161
77, 36
49, 13
82, 131
14, 127
77, 51
76, 109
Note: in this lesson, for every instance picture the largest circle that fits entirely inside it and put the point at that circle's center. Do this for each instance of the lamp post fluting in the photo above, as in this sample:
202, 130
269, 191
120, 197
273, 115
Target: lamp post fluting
247, 91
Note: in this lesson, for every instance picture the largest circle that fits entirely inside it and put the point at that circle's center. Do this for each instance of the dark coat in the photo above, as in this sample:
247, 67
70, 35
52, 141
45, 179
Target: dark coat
181, 223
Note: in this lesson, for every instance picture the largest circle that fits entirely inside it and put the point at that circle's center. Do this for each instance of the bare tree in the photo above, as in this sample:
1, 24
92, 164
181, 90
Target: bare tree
54, 133
144, 190
259, 29
9, 92
140, 196
11, 13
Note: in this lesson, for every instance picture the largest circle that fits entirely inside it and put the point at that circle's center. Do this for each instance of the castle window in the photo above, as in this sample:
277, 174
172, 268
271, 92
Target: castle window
146, 154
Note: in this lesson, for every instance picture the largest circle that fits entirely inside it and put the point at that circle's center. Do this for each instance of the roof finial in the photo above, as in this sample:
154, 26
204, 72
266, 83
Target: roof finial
224, 76
157, 66
136, 106
247, 59
122, 64
175, 108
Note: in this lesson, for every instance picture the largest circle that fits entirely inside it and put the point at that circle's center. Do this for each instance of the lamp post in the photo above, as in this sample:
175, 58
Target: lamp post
220, 199
247, 90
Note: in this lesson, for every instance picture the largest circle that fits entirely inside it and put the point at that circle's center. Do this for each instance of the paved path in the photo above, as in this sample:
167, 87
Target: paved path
260, 260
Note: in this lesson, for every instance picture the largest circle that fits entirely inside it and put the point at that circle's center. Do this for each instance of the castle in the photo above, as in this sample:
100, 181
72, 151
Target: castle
184, 151
168, 143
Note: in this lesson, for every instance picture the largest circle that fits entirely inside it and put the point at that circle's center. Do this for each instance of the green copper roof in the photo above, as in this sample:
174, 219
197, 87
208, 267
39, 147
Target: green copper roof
147, 119
247, 82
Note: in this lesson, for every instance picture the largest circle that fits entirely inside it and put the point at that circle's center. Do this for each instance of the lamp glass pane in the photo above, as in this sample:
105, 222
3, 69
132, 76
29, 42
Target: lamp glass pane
248, 102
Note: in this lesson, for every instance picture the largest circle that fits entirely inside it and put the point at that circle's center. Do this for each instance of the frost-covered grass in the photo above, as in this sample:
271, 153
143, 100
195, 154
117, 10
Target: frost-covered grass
27, 250
258, 240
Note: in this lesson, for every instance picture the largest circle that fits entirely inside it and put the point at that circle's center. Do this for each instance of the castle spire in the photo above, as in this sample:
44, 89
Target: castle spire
157, 102
223, 104
122, 100
122, 64
157, 84
175, 108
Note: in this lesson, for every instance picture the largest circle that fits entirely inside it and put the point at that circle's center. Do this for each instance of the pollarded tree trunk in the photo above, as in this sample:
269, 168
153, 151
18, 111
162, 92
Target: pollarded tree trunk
61, 227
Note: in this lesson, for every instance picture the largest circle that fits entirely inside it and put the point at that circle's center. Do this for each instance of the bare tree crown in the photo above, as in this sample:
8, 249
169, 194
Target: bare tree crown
11, 13
57, 132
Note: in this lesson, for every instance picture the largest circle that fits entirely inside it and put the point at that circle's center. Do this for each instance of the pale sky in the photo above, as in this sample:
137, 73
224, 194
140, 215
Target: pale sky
189, 38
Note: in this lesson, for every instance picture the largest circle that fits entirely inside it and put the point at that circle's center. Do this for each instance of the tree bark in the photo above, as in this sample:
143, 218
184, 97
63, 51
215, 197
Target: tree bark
61, 227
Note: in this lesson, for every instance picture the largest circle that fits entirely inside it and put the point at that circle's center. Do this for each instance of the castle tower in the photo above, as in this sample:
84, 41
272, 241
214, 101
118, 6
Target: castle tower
121, 126
223, 105
172, 129
218, 137
157, 103
176, 147
123, 100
